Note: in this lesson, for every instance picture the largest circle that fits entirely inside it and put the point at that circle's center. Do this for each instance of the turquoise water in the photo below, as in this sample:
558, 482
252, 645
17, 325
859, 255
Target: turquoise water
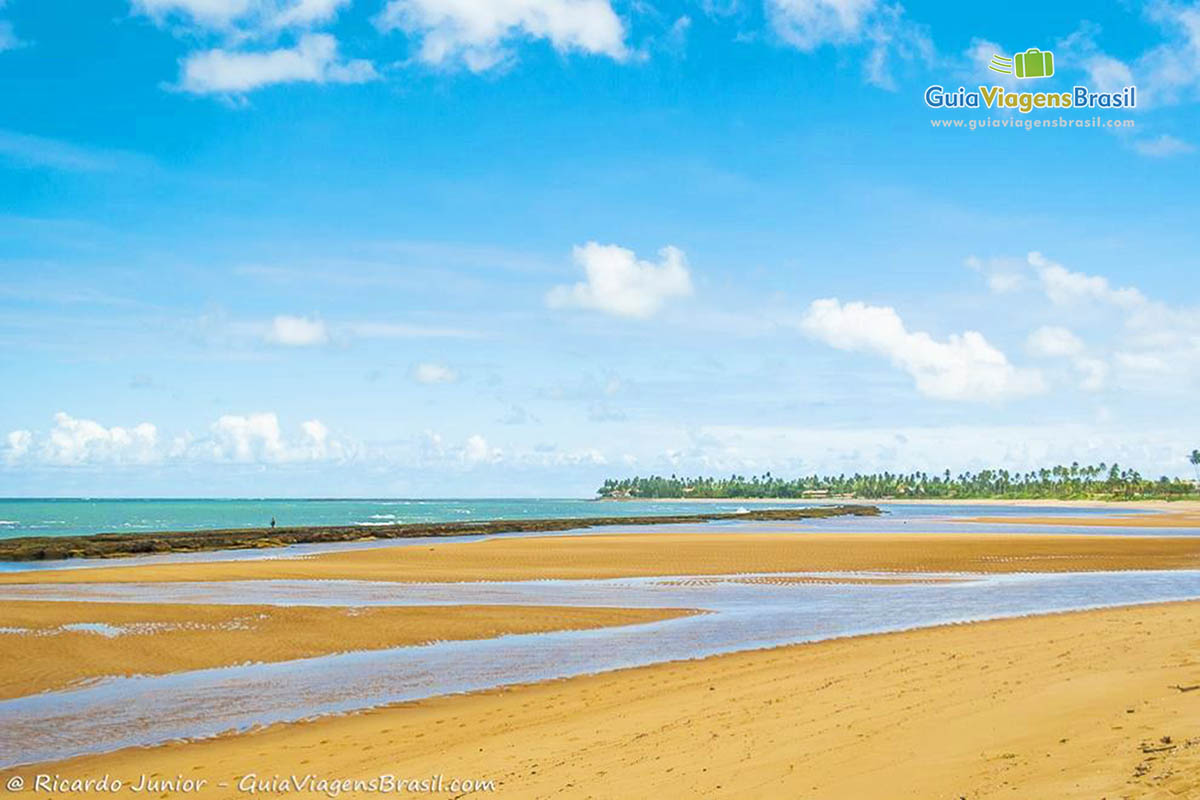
67, 517
76, 516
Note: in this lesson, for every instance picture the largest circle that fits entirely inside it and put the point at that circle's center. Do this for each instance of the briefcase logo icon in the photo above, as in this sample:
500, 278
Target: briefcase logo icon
1033, 63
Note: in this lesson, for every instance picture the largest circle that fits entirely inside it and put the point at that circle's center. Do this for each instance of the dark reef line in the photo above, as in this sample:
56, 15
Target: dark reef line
111, 545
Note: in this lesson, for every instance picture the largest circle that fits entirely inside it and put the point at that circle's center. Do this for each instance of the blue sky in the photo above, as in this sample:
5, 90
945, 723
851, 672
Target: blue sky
457, 247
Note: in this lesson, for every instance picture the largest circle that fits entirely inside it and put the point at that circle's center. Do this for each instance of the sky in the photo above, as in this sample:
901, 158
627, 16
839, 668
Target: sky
512, 247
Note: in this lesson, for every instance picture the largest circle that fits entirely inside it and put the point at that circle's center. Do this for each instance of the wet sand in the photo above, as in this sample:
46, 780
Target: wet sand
157, 639
657, 554
1168, 519
1081, 705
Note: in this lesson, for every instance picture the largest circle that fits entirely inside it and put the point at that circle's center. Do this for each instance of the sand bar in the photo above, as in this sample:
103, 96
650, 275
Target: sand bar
654, 554
1169, 519
102, 639
1081, 705
111, 545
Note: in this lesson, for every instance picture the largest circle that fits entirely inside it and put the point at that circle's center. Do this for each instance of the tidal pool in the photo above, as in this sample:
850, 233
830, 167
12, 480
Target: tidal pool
743, 612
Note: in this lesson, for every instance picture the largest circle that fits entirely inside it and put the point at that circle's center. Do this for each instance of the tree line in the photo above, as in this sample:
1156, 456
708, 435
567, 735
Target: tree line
1073, 482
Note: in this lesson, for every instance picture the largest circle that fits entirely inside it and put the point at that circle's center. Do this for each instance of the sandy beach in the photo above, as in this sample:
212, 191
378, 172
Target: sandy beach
51, 645
678, 553
1084, 704
1081, 705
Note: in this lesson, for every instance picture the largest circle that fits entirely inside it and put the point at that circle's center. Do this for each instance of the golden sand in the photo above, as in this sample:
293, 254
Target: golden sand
1084, 705
157, 639
652, 554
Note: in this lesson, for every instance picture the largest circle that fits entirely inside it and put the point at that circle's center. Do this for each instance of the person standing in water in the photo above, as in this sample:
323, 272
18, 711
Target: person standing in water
272, 523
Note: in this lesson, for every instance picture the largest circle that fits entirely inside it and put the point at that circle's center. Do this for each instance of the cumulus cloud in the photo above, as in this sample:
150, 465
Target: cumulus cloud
297, 331
72, 442
619, 283
252, 438
963, 367
434, 373
1064, 287
1143, 335
16, 445
810, 24
314, 59
259, 438
477, 33
1050, 340
478, 451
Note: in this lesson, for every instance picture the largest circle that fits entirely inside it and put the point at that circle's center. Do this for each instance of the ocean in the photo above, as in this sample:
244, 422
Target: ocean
75, 516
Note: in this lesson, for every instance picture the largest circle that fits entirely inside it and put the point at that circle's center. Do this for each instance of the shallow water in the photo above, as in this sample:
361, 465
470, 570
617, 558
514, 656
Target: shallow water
742, 615
77, 516
897, 518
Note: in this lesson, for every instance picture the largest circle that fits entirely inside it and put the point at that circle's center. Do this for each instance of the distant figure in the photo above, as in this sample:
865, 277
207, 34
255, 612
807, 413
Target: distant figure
272, 523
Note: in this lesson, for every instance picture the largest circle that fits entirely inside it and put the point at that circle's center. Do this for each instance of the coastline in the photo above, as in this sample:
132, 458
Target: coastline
1137, 505
1075, 705
112, 545
678, 553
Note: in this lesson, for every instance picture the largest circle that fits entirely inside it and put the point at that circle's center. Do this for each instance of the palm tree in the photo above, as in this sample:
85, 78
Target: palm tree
1195, 459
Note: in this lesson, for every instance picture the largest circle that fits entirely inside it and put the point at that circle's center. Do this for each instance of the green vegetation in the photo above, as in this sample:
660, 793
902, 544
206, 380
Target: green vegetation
1099, 482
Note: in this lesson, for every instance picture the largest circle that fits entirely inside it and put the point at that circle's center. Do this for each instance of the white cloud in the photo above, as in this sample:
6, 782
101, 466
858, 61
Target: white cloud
1165, 74
252, 438
1064, 287
209, 13
1003, 275
255, 437
1163, 146
304, 13
1093, 373
964, 367
74, 441
1171, 71
477, 33
259, 438
17, 444
314, 59
248, 16
297, 331
1142, 362
434, 373
1142, 335
478, 451
618, 283
1051, 341
978, 56
810, 24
